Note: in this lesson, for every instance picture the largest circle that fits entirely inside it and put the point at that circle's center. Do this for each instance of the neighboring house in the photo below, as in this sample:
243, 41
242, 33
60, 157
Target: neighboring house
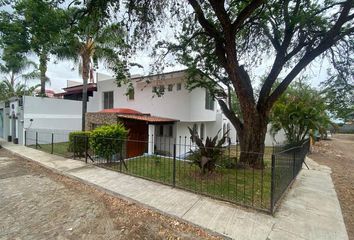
42, 115
75, 92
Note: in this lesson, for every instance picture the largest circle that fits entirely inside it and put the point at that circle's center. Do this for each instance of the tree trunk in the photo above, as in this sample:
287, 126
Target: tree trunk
252, 139
43, 58
85, 76
12, 79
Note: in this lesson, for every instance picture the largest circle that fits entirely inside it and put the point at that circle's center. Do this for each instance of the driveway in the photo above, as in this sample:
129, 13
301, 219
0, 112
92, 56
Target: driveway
338, 154
38, 204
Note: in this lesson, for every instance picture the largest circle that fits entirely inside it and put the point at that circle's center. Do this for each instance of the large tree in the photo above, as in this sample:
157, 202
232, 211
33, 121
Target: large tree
338, 89
228, 39
34, 26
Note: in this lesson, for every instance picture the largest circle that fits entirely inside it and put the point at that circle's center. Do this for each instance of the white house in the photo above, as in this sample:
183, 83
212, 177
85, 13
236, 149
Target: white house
184, 108
164, 120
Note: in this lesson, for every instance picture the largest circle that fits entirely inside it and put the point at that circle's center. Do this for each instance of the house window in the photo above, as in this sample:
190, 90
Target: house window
179, 86
131, 93
170, 87
108, 100
162, 88
202, 131
170, 131
161, 131
209, 101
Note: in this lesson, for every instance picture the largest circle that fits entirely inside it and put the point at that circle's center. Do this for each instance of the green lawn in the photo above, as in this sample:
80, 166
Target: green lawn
60, 149
245, 186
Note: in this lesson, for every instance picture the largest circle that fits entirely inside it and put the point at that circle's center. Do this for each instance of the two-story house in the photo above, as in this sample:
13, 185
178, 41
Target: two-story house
158, 109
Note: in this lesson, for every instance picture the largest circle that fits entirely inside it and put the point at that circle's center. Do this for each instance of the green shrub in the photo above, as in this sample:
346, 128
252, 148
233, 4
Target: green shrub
106, 141
77, 142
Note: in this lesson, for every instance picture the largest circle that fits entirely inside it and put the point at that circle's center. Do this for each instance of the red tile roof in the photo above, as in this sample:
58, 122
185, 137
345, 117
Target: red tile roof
128, 113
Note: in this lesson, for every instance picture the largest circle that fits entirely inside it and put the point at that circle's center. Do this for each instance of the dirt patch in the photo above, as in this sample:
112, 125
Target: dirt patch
38, 204
337, 153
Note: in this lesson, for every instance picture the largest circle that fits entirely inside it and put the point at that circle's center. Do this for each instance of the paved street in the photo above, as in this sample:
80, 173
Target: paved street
309, 211
37, 204
338, 154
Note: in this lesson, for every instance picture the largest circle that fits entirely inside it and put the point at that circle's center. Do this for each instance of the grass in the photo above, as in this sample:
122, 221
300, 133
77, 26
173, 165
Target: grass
249, 187
60, 149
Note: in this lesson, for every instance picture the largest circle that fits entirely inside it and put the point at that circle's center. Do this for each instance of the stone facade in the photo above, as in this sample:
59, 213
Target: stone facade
98, 119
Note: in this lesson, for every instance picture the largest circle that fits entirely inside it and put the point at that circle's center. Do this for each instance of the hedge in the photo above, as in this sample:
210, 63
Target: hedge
106, 141
77, 142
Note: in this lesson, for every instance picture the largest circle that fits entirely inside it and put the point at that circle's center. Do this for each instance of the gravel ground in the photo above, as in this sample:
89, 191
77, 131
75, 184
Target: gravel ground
338, 154
38, 204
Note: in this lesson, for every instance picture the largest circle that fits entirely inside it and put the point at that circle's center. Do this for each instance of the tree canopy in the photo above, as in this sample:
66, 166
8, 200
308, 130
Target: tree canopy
229, 39
338, 92
33, 27
299, 110
89, 40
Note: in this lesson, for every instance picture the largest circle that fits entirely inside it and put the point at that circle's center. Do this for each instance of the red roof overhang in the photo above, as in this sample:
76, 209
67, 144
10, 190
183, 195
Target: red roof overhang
127, 113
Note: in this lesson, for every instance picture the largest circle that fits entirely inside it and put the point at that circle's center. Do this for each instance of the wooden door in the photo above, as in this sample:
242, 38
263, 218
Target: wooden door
137, 139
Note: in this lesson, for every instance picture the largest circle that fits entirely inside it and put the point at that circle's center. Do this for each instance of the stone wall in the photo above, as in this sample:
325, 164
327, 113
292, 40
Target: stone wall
98, 119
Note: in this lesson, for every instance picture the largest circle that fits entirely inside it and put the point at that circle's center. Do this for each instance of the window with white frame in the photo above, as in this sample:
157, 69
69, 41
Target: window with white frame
131, 94
179, 86
209, 101
162, 88
108, 100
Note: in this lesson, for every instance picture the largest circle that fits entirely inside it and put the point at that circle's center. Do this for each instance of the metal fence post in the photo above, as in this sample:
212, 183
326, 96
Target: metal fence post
272, 186
294, 160
52, 151
75, 146
86, 149
25, 138
174, 166
36, 140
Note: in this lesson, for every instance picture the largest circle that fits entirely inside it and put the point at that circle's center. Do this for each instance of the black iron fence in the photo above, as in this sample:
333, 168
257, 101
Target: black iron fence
215, 172
286, 165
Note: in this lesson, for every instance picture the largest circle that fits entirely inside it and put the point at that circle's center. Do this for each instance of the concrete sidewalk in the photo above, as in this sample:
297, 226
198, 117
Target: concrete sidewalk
309, 211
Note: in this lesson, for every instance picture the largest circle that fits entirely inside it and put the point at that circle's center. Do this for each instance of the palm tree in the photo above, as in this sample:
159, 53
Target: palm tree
87, 43
15, 66
8, 90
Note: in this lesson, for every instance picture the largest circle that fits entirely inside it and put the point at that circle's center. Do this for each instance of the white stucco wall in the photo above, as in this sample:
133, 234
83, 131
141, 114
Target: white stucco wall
182, 105
52, 114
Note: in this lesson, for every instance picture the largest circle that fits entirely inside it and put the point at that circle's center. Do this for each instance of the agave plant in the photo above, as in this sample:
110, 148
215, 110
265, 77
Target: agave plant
208, 153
